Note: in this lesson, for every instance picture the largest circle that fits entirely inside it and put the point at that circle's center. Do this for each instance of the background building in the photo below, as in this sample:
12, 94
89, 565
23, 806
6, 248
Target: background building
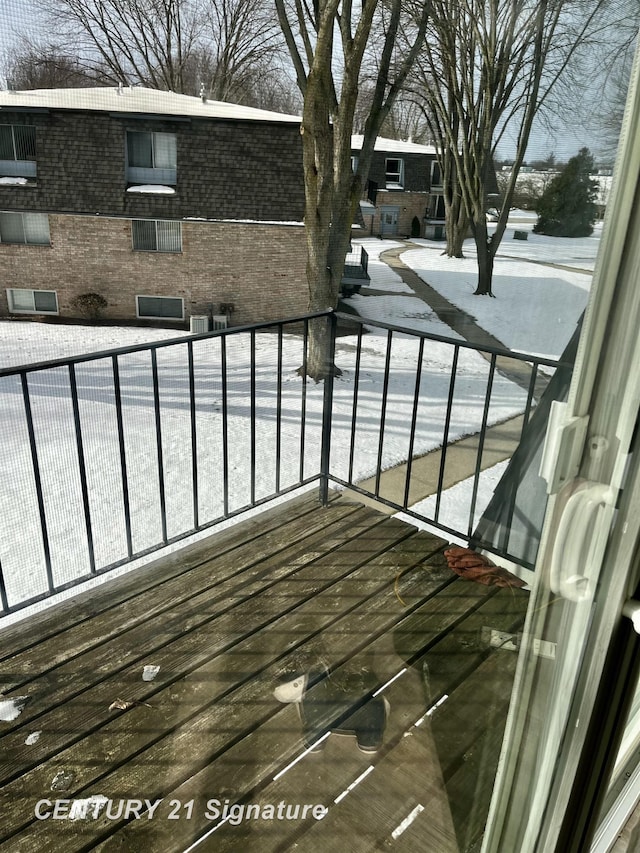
164, 204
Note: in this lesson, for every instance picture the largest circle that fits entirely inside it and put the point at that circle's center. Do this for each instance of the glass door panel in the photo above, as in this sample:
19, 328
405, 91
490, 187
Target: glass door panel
577, 667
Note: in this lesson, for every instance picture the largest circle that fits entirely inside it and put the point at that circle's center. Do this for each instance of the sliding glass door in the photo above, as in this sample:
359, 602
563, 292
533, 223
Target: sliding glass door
578, 667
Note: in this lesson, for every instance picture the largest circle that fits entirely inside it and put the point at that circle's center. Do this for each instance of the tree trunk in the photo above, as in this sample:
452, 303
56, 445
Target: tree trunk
486, 254
457, 225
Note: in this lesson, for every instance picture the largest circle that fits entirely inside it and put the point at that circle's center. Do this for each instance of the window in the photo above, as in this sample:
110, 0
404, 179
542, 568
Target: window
32, 301
436, 207
160, 307
394, 173
29, 228
436, 174
18, 150
151, 157
354, 164
156, 235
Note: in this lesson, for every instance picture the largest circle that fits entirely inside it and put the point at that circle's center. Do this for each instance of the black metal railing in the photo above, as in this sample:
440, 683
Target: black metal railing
445, 410
110, 456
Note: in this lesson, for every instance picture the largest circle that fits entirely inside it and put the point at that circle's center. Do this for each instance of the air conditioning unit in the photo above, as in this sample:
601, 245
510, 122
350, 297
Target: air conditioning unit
198, 324
220, 321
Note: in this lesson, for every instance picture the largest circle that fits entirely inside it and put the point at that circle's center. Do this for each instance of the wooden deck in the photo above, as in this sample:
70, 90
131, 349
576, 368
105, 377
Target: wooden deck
300, 587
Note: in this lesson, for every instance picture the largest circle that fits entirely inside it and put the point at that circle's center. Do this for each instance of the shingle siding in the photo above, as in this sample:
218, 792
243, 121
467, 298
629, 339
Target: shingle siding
225, 169
417, 168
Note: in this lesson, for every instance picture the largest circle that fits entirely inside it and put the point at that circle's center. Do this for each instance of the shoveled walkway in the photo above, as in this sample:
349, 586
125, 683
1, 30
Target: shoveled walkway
458, 320
500, 440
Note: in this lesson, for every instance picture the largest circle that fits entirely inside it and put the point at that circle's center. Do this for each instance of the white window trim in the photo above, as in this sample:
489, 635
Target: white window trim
15, 167
34, 310
150, 175
394, 185
435, 166
151, 316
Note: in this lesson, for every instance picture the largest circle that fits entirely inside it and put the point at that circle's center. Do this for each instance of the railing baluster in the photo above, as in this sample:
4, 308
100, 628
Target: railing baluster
303, 398
253, 416
531, 391
159, 452
327, 411
82, 467
354, 410
37, 481
483, 432
225, 426
123, 459
414, 420
194, 435
4, 601
383, 410
279, 409
447, 425
513, 492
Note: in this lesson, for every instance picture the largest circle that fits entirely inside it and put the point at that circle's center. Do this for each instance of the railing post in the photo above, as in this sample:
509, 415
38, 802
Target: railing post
327, 407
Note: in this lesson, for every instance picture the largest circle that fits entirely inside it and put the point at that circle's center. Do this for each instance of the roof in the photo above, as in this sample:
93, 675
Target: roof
393, 146
136, 99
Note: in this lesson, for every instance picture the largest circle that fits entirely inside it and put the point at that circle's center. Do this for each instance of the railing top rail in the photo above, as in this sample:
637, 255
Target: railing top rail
498, 351
232, 330
155, 345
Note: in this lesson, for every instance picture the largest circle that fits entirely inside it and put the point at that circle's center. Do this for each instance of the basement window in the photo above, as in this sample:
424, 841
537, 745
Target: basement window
32, 301
160, 307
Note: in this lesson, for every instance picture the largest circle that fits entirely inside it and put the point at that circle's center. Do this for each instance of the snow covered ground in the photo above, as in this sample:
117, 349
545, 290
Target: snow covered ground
527, 294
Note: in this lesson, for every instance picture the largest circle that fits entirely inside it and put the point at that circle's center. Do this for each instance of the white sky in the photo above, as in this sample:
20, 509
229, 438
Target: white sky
16, 17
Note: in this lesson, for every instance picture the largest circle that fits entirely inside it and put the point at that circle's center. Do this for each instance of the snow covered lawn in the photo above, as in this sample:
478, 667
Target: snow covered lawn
536, 306
535, 311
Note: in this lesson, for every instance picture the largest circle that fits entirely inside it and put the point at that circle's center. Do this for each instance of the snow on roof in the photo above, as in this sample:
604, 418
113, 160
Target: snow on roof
393, 146
136, 99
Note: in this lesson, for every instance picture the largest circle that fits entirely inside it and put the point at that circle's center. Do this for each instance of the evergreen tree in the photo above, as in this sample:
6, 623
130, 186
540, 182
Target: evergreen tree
567, 207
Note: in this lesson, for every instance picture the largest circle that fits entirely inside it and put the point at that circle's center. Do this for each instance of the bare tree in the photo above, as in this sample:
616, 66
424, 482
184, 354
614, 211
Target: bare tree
225, 47
328, 42
137, 41
243, 44
488, 65
37, 66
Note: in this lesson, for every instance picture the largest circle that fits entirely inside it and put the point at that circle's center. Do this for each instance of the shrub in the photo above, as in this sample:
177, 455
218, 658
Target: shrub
89, 305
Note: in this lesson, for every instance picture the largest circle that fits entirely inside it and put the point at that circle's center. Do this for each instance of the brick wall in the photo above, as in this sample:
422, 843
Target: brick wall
409, 204
258, 268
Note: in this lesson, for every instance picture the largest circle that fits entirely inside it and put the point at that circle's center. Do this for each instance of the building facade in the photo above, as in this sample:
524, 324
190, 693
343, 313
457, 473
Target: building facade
404, 194
166, 206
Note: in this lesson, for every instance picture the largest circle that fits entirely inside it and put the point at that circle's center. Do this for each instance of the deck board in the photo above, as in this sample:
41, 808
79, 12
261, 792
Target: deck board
343, 586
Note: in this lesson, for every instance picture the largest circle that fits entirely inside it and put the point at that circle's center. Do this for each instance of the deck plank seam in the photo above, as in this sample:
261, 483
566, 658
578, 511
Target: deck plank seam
237, 685
146, 616
28, 723
18, 630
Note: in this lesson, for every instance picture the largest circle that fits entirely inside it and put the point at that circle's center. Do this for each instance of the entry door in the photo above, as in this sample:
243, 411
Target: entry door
578, 667
389, 221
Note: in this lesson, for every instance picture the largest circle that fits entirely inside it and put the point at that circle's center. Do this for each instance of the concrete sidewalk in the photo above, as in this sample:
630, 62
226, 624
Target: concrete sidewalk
460, 461
460, 457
